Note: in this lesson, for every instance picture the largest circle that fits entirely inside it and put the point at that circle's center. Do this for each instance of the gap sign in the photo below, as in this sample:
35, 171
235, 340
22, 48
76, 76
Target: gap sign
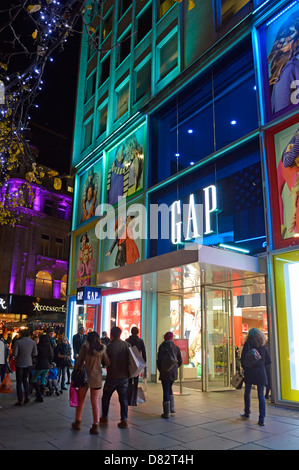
88, 295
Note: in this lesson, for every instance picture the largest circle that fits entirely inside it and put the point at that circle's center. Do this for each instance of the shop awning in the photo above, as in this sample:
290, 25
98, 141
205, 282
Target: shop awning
209, 265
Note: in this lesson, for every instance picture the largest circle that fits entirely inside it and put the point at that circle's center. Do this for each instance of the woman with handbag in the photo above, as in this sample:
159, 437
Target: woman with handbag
91, 356
255, 359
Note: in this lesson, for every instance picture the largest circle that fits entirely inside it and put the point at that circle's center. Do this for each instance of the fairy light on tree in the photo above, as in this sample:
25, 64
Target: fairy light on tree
31, 32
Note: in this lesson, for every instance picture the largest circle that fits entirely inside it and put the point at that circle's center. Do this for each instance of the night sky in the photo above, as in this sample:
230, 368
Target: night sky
53, 121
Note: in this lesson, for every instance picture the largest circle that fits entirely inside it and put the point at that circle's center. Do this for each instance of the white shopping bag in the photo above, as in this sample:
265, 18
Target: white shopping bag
136, 362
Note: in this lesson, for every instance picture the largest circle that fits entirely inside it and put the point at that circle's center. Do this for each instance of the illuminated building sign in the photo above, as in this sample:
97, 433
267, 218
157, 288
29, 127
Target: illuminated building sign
89, 295
190, 218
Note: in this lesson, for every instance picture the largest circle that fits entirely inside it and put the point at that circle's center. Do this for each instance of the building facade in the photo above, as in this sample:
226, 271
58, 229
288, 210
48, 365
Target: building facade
186, 189
34, 255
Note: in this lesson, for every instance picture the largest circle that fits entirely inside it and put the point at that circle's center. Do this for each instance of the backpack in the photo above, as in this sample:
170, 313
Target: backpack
169, 360
252, 358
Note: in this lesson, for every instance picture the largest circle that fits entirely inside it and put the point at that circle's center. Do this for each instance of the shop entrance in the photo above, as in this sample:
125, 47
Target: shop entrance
208, 299
218, 340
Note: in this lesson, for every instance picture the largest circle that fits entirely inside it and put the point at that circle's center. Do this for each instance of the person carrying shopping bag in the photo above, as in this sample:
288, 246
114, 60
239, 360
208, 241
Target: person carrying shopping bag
91, 356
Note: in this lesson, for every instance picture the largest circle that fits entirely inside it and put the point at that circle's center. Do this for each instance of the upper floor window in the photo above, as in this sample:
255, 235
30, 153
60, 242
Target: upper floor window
59, 248
124, 48
229, 8
107, 26
102, 119
87, 134
144, 24
90, 87
49, 207
45, 245
105, 70
143, 80
164, 6
124, 6
122, 100
168, 55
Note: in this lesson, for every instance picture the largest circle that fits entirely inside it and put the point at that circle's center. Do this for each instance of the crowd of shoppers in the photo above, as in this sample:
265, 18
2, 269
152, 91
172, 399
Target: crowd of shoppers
35, 369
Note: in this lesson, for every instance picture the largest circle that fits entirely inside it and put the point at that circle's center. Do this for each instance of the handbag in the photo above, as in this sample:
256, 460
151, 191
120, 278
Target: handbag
73, 396
6, 386
140, 396
79, 377
132, 394
136, 362
237, 380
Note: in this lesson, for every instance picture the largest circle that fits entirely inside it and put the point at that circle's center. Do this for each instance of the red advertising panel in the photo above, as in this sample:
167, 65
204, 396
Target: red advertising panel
128, 315
283, 175
90, 310
183, 345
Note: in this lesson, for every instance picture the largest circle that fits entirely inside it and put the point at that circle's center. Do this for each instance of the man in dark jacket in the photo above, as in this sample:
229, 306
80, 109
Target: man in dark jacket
168, 376
23, 351
117, 377
78, 340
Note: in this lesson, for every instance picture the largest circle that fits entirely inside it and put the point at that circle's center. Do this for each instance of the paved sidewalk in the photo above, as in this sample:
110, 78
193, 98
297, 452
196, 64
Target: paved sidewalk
203, 421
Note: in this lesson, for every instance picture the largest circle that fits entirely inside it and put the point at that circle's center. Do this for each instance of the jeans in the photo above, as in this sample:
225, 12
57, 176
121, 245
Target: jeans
61, 375
261, 397
167, 389
121, 386
22, 376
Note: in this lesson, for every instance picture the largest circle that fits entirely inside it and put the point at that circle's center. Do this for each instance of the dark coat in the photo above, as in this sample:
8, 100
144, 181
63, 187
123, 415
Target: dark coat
77, 343
134, 340
44, 353
172, 374
256, 375
118, 353
64, 350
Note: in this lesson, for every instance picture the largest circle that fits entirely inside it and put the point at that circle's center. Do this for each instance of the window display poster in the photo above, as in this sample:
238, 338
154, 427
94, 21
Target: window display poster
85, 253
89, 192
192, 326
124, 242
286, 143
128, 315
282, 50
126, 166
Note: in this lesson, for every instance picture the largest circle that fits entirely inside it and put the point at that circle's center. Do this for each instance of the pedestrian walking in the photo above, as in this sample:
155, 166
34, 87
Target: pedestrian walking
78, 340
168, 362
62, 357
117, 377
42, 366
23, 351
255, 374
4, 357
105, 339
92, 354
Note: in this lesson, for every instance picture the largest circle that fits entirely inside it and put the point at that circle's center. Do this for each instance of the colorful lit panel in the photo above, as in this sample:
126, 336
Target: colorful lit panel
282, 147
286, 269
279, 54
